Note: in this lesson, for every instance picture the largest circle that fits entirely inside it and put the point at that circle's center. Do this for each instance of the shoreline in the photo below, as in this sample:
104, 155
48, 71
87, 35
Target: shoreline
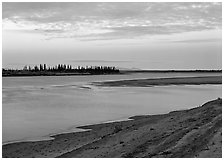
90, 143
59, 75
51, 135
146, 82
122, 72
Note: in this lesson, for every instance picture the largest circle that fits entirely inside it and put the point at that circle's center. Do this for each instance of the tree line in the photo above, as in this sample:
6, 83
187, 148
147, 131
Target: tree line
61, 68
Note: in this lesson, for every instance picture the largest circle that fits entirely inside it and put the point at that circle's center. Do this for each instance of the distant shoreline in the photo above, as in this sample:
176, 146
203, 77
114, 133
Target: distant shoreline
56, 74
120, 73
170, 70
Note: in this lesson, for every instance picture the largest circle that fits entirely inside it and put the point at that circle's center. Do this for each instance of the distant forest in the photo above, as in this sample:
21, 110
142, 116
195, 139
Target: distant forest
60, 69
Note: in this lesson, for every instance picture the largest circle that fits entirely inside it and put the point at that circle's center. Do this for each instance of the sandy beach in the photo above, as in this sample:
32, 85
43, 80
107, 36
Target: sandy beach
187, 133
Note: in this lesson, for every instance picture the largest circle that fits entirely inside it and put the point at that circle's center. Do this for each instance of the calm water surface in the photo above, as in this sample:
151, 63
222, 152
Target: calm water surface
36, 107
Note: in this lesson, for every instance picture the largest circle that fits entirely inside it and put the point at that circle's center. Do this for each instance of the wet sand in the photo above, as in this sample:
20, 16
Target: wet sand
194, 132
162, 81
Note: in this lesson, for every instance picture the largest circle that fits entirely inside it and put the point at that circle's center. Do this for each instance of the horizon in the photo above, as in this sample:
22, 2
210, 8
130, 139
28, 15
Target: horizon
146, 36
122, 69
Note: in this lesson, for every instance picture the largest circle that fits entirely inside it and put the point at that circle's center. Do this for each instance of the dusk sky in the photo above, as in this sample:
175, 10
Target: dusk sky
128, 35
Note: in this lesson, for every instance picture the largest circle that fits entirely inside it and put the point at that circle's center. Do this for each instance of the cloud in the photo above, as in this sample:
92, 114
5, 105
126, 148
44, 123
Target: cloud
94, 21
199, 40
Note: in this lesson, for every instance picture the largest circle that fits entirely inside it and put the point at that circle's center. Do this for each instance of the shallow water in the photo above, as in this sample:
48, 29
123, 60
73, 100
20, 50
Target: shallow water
36, 107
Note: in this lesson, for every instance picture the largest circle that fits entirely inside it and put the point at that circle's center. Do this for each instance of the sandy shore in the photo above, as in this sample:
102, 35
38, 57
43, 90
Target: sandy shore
188, 133
162, 81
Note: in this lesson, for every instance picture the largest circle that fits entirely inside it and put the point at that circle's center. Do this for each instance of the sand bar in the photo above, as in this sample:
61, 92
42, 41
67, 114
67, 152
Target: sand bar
162, 81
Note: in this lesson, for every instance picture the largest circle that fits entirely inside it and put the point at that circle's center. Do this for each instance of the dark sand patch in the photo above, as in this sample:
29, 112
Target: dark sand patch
162, 82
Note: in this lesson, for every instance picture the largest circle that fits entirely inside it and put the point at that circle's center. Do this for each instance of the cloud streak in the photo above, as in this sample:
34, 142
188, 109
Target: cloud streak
102, 61
199, 40
101, 21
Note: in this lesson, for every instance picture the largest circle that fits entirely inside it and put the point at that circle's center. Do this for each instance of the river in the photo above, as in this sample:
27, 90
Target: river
35, 107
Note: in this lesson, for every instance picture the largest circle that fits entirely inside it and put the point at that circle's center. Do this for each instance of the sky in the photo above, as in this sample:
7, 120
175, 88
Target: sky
133, 35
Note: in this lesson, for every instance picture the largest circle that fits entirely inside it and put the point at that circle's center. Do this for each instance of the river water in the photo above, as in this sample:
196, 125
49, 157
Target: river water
35, 107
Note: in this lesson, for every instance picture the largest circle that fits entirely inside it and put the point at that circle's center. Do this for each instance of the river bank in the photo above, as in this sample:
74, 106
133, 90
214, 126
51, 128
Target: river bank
188, 133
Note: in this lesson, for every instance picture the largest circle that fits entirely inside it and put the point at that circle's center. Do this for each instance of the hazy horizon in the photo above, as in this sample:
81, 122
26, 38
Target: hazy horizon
127, 35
